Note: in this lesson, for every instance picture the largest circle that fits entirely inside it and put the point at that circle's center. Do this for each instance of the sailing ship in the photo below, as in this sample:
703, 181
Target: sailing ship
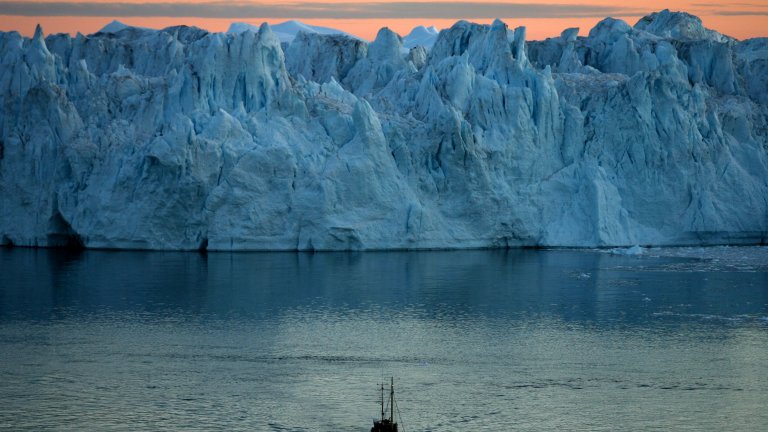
386, 424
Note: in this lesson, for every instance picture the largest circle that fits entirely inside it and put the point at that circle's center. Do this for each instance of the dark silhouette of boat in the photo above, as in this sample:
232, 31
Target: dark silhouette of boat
386, 424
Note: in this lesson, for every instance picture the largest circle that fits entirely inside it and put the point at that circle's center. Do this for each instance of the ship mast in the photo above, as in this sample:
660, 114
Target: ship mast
382, 401
392, 400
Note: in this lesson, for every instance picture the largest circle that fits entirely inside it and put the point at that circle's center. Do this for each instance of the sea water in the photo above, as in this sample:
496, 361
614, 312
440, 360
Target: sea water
527, 340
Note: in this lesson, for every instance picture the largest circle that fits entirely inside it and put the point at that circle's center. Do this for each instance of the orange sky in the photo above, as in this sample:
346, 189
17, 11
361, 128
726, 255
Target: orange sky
738, 18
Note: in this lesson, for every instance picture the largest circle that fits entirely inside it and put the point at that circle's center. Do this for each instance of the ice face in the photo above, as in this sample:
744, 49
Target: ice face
183, 139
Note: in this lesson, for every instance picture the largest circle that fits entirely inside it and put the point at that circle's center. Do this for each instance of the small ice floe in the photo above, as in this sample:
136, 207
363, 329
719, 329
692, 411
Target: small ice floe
646, 299
630, 251
665, 313
581, 275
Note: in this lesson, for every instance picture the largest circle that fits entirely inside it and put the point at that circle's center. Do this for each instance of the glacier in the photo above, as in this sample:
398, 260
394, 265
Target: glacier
181, 139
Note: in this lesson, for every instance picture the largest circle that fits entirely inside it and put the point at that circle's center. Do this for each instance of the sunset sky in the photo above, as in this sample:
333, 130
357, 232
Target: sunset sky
738, 18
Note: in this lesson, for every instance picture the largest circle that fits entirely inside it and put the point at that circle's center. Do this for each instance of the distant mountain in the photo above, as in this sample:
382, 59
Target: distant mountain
286, 31
424, 36
116, 26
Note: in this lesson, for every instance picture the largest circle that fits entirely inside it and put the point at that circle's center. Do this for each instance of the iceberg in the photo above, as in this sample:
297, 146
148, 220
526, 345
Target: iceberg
287, 31
181, 139
420, 36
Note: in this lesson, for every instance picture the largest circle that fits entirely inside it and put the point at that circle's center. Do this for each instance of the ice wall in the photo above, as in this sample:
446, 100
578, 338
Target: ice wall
182, 139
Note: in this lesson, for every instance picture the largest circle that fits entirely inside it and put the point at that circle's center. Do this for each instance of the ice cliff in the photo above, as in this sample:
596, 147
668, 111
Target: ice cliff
182, 139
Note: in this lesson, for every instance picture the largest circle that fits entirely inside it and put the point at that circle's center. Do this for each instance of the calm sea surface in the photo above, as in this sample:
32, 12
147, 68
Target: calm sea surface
476, 340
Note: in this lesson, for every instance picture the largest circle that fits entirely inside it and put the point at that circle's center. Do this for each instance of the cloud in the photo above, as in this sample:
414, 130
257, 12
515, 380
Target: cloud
742, 13
306, 9
717, 9
719, 5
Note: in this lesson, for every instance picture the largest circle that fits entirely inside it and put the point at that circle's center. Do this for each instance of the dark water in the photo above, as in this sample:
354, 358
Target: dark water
479, 340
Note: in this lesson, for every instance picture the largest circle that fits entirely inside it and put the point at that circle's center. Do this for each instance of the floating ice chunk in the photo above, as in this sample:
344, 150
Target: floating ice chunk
630, 251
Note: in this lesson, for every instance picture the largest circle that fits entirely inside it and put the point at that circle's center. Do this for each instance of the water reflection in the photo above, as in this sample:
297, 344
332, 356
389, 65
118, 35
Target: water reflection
575, 286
